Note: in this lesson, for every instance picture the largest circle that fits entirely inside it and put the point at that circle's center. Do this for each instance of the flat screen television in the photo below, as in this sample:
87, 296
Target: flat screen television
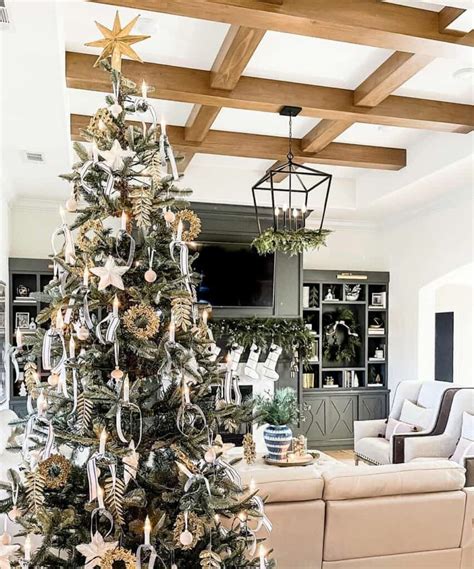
234, 274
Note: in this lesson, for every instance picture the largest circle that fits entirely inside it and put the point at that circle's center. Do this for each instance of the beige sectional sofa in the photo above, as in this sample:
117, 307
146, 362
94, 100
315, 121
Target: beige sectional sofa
405, 516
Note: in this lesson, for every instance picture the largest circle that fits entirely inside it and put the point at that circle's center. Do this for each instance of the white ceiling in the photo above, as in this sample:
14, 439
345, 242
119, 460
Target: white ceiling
39, 104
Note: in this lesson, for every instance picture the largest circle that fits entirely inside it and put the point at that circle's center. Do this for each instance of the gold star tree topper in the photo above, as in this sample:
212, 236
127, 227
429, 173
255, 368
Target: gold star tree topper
116, 42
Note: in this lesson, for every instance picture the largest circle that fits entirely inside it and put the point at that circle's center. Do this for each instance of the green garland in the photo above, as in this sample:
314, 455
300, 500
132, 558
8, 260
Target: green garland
292, 241
344, 351
289, 334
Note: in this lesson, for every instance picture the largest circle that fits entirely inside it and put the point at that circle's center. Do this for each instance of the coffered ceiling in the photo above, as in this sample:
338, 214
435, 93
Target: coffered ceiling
376, 82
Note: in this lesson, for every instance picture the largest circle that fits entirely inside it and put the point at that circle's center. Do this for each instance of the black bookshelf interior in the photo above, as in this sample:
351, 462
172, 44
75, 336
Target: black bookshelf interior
26, 277
337, 393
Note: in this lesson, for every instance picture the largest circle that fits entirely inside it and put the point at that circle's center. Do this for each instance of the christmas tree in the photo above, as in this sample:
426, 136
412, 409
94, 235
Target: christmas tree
121, 464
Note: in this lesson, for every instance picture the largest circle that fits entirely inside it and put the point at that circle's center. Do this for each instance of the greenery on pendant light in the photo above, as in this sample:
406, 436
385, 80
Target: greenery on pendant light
290, 334
340, 339
292, 241
280, 409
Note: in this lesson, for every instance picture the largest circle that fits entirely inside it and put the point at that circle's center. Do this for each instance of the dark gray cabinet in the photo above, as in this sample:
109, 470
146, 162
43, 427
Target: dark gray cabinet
329, 421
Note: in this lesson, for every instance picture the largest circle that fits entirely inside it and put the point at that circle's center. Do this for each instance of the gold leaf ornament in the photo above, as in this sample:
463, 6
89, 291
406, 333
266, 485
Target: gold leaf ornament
250, 453
210, 559
117, 42
31, 378
181, 307
191, 224
142, 205
141, 321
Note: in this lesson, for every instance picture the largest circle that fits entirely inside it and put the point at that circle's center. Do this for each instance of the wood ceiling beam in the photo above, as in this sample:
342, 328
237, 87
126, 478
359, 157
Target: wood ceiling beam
323, 134
273, 148
234, 54
365, 22
393, 72
447, 16
192, 86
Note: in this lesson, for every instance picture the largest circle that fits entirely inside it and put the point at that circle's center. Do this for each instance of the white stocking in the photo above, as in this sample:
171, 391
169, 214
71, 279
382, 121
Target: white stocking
252, 361
270, 363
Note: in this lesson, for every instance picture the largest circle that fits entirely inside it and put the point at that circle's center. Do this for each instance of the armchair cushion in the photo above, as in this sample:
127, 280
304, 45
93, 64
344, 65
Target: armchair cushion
375, 449
374, 428
416, 415
395, 427
465, 446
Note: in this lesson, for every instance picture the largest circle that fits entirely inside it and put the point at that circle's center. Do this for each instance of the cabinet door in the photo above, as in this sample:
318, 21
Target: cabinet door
372, 406
314, 428
341, 413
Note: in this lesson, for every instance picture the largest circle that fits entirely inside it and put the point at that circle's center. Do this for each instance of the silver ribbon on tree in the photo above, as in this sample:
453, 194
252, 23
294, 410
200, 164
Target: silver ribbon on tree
84, 314
183, 259
59, 368
189, 413
107, 185
125, 404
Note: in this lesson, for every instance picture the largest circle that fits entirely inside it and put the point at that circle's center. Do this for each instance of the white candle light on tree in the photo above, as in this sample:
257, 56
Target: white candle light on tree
102, 441
72, 347
100, 497
261, 554
123, 221
59, 320
144, 90
95, 151
19, 338
41, 404
126, 389
147, 531
28, 548
172, 330
115, 306
85, 277
163, 126
205, 317
179, 231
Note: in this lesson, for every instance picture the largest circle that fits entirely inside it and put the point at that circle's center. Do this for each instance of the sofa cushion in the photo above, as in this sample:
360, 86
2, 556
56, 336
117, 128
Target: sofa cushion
395, 427
390, 525
416, 415
376, 449
291, 484
392, 479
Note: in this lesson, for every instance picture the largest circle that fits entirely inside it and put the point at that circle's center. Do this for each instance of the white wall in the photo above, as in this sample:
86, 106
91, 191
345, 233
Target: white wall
457, 298
350, 247
419, 250
4, 248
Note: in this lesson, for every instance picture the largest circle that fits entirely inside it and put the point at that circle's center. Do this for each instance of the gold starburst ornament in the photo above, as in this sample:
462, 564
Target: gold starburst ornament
116, 43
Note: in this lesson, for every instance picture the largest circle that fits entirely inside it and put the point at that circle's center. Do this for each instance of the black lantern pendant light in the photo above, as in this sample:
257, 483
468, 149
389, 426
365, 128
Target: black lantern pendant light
285, 188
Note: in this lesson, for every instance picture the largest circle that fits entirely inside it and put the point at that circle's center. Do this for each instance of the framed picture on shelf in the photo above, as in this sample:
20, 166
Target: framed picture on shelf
22, 320
378, 299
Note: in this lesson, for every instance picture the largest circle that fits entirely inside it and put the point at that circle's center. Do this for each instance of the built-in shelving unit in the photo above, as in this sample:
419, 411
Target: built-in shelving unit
33, 275
353, 389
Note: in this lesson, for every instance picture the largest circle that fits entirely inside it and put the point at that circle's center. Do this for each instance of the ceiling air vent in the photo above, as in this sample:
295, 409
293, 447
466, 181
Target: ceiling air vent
36, 157
4, 16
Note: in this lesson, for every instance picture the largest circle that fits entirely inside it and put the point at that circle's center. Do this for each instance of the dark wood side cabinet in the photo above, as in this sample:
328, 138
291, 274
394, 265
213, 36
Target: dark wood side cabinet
336, 393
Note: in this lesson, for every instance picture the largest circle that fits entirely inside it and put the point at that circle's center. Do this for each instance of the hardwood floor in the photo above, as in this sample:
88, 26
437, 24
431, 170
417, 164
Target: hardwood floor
343, 455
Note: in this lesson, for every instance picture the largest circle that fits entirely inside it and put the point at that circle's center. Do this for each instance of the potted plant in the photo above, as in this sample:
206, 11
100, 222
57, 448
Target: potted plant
277, 412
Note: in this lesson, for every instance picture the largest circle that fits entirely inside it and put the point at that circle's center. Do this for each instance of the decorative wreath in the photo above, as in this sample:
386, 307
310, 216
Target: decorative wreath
110, 557
55, 470
194, 224
141, 321
83, 241
195, 526
341, 340
292, 241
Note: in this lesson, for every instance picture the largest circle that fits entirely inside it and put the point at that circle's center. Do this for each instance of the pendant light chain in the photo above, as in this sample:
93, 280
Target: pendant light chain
290, 154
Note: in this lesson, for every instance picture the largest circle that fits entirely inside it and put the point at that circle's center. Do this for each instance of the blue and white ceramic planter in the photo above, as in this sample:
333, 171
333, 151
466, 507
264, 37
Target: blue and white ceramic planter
278, 441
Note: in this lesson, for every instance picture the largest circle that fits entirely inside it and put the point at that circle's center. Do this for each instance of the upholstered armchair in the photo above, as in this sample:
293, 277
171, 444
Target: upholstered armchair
442, 405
